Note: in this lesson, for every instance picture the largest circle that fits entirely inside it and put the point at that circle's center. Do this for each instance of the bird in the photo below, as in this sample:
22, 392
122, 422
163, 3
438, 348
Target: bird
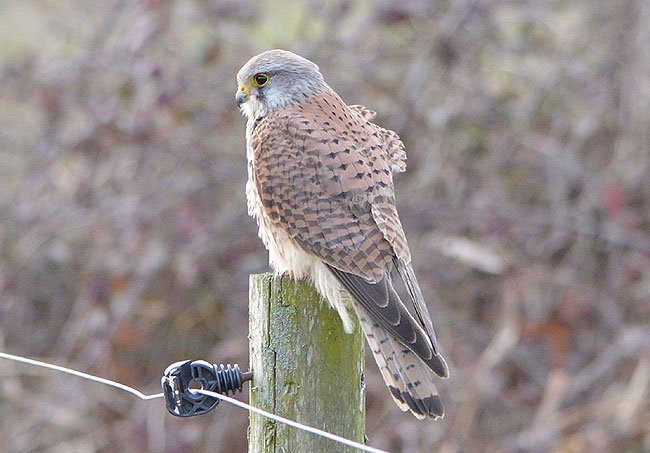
320, 185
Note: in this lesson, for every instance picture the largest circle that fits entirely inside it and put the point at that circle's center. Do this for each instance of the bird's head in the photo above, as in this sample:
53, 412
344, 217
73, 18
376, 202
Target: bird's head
274, 80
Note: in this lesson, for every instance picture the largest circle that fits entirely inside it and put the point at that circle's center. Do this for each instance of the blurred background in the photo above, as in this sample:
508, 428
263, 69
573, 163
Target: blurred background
125, 243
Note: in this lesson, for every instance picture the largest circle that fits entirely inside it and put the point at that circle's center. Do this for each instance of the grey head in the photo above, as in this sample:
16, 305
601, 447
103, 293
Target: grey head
274, 80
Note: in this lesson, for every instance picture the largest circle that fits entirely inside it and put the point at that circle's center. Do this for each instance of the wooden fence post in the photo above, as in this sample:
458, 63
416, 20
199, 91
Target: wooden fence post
305, 368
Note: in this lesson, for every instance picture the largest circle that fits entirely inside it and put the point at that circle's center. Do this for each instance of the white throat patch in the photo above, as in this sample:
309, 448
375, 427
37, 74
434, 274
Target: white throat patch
253, 108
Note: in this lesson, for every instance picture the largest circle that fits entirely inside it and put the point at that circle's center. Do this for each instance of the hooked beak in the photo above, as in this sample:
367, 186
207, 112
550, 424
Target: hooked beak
242, 95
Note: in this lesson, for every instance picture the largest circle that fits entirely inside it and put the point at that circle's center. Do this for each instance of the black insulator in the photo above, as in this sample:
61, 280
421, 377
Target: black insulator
182, 401
229, 379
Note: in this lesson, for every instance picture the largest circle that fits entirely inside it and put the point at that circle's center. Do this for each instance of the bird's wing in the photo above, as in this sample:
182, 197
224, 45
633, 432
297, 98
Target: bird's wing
324, 175
321, 176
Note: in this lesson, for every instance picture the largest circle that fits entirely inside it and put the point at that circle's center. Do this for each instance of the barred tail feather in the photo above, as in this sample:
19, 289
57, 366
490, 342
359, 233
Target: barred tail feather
409, 380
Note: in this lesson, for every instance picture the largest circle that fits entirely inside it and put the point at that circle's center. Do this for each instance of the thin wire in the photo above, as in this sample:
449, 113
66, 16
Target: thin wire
63, 369
142, 396
286, 421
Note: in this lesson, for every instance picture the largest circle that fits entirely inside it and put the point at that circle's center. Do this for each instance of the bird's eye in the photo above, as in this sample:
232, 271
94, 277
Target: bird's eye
259, 80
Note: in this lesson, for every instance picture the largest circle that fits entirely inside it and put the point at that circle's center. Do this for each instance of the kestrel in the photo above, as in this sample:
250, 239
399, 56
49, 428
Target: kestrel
320, 184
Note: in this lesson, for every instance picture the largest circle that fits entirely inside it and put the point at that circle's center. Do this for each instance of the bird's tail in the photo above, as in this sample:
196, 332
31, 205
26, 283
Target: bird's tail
410, 381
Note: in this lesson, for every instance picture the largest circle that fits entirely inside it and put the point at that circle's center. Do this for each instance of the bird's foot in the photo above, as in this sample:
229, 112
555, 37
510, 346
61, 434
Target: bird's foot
288, 274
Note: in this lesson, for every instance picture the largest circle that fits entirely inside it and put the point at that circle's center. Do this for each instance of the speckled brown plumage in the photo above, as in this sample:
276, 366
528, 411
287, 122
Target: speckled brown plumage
324, 176
321, 188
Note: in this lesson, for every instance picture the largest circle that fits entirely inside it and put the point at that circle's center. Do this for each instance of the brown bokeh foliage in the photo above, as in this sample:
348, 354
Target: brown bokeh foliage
125, 243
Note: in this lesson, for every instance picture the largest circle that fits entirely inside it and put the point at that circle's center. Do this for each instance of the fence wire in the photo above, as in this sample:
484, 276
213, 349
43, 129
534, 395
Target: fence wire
228, 399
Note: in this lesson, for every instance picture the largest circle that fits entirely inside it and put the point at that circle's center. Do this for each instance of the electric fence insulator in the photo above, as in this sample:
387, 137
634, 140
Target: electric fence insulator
181, 400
